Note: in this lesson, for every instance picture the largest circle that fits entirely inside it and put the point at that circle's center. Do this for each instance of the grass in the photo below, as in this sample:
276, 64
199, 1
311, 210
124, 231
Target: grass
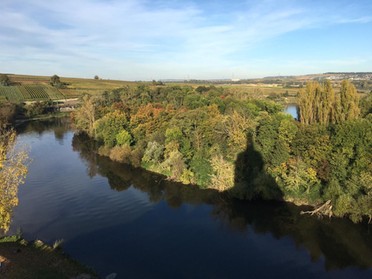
36, 260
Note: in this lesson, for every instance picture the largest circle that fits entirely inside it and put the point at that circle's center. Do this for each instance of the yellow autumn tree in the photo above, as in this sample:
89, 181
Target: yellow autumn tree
13, 170
306, 102
318, 103
222, 178
349, 101
236, 128
85, 116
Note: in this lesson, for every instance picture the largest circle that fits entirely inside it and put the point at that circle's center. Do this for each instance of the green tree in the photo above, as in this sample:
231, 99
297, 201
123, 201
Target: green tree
325, 105
319, 104
35, 109
349, 102
153, 153
55, 80
222, 178
7, 113
85, 117
366, 105
109, 126
4, 80
123, 138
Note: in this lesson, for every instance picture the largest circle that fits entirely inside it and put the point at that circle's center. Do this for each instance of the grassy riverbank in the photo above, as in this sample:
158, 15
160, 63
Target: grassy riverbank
21, 259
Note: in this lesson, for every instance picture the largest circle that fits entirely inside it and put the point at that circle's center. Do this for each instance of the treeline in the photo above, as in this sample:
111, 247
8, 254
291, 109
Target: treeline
190, 135
216, 139
10, 112
318, 103
280, 221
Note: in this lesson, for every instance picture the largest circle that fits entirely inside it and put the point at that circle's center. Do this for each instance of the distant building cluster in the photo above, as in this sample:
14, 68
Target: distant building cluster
350, 76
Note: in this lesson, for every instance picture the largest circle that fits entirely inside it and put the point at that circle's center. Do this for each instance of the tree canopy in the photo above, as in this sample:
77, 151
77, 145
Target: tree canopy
217, 139
318, 103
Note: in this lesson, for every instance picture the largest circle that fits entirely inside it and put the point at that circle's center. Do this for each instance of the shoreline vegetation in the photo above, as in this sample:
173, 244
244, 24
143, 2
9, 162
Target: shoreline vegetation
215, 137
18, 257
228, 141
219, 137
22, 259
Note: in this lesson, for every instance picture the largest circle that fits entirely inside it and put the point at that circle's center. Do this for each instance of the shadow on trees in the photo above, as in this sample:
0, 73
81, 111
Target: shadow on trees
251, 181
338, 242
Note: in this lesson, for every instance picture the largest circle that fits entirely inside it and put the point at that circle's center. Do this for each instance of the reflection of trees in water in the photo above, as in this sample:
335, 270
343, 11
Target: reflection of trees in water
340, 242
13, 162
84, 145
58, 125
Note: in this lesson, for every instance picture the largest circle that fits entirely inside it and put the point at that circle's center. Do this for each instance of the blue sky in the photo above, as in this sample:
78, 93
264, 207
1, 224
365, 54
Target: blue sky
201, 39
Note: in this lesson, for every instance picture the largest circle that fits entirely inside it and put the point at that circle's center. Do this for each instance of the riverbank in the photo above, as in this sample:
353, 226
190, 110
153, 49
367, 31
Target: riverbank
19, 121
22, 259
117, 219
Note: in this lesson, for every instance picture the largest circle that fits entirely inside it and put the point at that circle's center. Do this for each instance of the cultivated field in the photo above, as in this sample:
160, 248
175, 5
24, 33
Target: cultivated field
29, 92
38, 88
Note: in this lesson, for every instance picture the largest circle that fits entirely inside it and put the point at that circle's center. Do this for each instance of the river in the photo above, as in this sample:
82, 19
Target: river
292, 109
117, 219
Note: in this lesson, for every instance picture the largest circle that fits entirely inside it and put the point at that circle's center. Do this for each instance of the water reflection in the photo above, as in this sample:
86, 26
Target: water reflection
59, 126
146, 226
340, 242
292, 109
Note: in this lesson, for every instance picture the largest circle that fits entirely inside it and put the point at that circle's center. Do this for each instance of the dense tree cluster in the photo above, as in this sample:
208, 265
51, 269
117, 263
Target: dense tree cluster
190, 135
218, 139
318, 103
315, 163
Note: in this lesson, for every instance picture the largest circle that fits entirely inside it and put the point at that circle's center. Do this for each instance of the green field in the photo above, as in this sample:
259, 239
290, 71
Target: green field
34, 92
11, 94
37, 88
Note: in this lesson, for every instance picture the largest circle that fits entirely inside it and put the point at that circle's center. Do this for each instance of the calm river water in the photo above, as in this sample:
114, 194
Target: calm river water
134, 223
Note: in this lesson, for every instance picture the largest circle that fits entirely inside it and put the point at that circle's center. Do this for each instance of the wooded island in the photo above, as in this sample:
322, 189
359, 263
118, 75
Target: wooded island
249, 147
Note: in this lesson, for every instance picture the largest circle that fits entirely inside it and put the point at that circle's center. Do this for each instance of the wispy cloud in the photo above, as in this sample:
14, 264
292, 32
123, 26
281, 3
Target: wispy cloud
86, 36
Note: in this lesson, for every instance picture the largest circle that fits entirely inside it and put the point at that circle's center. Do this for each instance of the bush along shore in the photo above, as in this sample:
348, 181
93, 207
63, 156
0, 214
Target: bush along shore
35, 260
220, 139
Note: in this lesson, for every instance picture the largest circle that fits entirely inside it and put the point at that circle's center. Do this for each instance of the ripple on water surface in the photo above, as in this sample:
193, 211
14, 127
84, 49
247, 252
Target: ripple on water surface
69, 201
186, 234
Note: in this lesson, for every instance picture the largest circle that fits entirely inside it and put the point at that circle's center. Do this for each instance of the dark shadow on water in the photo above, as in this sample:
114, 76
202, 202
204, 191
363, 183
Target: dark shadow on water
338, 242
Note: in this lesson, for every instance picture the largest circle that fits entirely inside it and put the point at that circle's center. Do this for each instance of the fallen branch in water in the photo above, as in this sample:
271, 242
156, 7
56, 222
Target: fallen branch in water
323, 210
